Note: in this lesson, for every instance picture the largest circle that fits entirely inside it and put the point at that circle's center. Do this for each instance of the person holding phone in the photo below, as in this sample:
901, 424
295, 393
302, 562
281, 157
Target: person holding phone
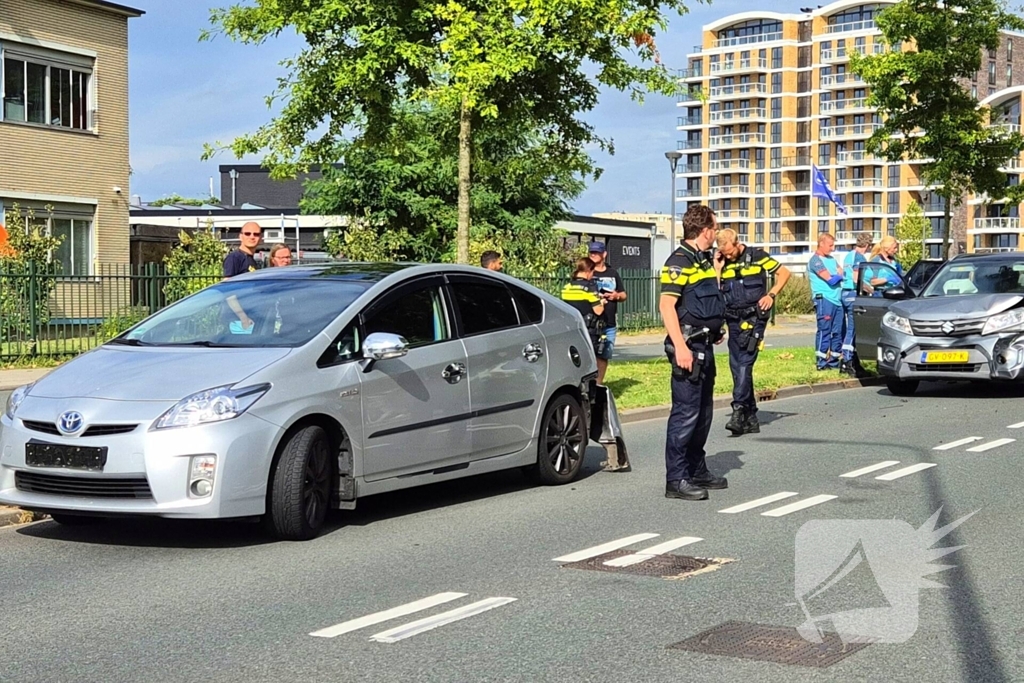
611, 290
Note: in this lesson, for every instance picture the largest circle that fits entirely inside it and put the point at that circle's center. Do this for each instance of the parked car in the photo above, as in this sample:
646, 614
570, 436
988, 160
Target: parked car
967, 323
351, 380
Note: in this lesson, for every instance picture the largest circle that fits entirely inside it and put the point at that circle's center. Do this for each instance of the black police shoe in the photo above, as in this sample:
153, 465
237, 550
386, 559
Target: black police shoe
735, 423
710, 481
751, 425
685, 490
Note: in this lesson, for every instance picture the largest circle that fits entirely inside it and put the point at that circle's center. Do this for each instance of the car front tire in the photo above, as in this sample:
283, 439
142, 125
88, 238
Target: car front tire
901, 387
300, 488
562, 443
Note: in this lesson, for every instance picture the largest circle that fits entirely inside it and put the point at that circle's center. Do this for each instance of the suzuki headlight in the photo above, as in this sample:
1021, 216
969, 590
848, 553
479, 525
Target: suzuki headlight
896, 322
15, 399
1003, 321
213, 405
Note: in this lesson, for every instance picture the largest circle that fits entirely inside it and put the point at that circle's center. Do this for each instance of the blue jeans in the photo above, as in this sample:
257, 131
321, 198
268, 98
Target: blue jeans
609, 345
829, 339
849, 297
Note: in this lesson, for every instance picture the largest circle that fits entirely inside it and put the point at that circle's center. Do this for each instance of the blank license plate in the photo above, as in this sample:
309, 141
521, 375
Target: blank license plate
944, 357
38, 454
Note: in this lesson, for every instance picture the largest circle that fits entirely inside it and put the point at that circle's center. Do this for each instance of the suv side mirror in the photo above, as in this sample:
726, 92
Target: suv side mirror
897, 292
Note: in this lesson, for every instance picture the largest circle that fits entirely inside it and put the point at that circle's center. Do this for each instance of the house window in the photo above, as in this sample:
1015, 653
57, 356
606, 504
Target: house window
1009, 75
74, 254
1009, 50
46, 88
991, 73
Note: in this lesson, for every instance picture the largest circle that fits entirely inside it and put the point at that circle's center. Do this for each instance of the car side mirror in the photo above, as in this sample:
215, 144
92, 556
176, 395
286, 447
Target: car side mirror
898, 292
383, 346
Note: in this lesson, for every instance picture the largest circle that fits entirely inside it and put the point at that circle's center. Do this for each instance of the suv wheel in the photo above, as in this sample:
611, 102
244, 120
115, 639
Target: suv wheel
300, 487
901, 387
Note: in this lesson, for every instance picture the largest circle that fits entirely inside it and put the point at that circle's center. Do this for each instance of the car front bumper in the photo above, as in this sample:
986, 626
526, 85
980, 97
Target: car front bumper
990, 357
146, 472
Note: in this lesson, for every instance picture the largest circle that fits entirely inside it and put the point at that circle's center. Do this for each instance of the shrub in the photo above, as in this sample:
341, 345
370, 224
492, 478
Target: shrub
795, 298
25, 274
119, 322
196, 262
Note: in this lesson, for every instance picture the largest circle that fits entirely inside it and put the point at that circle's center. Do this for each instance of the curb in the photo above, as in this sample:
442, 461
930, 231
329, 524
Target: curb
725, 401
13, 516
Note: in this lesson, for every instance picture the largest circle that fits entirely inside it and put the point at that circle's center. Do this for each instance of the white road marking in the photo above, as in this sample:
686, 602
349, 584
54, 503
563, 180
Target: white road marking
653, 551
870, 468
393, 613
799, 505
890, 476
990, 445
1016, 426
587, 553
955, 444
743, 507
416, 627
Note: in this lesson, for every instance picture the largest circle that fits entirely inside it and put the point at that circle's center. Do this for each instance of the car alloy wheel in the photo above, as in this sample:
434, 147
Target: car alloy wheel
564, 436
316, 487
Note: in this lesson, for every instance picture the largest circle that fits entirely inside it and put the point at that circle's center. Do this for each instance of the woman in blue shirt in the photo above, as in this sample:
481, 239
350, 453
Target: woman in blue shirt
885, 278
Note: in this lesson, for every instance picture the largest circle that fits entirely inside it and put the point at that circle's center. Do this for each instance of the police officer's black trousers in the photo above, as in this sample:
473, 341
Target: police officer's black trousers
741, 363
689, 423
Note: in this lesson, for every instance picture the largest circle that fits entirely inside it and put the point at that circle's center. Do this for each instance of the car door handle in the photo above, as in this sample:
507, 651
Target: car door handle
860, 310
533, 352
454, 373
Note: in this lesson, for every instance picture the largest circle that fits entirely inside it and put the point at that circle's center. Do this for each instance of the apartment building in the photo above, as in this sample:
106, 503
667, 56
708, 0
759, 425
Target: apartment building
64, 124
770, 95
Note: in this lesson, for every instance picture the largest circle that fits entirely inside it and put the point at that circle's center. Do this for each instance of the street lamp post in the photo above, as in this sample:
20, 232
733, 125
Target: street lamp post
673, 161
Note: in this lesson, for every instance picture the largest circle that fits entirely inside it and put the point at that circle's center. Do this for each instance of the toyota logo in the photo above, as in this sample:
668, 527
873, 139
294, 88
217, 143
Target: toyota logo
70, 423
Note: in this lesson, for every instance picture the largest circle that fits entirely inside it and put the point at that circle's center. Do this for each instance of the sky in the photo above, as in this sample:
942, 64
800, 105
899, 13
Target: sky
184, 93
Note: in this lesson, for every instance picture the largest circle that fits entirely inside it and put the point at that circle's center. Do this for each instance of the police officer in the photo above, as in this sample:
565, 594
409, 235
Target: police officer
693, 309
581, 294
748, 303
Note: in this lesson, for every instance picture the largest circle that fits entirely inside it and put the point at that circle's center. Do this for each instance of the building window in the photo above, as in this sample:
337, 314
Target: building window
894, 176
777, 83
991, 73
74, 254
974, 92
776, 57
824, 154
777, 107
1009, 75
45, 90
894, 202
1009, 50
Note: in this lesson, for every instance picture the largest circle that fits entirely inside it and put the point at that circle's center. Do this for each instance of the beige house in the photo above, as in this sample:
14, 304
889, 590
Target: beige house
64, 124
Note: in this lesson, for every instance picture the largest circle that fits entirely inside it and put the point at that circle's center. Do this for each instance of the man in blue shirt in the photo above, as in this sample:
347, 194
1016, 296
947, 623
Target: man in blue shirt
851, 269
826, 278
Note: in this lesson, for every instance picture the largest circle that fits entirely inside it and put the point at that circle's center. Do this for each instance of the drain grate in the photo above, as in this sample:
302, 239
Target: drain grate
779, 644
663, 566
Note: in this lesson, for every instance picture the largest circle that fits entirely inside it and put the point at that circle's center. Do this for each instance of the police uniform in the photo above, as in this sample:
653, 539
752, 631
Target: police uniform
582, 295
744, 284
690, 276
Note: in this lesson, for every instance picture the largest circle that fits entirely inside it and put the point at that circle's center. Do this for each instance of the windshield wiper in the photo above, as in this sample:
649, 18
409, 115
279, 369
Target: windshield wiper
205, 344
129, 342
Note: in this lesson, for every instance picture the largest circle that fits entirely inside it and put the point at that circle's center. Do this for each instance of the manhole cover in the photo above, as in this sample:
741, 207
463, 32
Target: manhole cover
779, 644
664, 566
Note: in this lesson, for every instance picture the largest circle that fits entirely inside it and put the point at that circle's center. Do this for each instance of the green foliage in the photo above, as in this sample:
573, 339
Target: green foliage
119, 322
911, 233
928, 113
184, 201
27, 279
795, 298
195, 263
362, 242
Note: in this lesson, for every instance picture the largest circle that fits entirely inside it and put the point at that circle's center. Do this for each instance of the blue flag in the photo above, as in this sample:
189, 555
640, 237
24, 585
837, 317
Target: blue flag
820, 188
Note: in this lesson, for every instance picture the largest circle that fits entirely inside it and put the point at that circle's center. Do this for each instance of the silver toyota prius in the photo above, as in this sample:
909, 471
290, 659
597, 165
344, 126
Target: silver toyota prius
285, 392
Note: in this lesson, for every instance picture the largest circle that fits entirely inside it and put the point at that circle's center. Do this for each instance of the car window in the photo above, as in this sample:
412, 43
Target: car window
418, 316
874, 278
484, 307
531, 306
920, 273
980, 277
347, 346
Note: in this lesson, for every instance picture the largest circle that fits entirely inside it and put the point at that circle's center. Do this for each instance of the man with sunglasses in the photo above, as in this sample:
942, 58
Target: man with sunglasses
242, 259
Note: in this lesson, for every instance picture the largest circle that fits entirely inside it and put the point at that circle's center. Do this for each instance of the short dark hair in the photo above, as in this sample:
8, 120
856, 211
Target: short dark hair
697, 219
488, 257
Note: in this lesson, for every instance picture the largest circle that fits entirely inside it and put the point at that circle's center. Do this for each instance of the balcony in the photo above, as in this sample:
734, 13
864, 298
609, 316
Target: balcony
685, 121
748, 114
690, 95
729, 189
732, 214
683, 169
787, 188
856, 157
791, 162
1011, 164
851, 26
738, 65
738, 140
849, 183
851, 236
841, 81
1005, 127
695, 143
796, 213
995, 225
690, 192
843, 54
740, 89
862, 209
748, 40
857, 130
728, 164
691, 73
836, 106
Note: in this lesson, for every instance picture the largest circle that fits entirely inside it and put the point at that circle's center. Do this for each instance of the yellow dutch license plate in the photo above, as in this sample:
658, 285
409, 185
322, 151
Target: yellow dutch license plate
944, 357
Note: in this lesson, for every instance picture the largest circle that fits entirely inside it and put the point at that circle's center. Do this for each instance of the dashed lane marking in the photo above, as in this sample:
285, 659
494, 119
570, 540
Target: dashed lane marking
990, 445
1015, 426
587, 553
416, 627
870, 468
890, 476
655, 550
386, 615
743, 507
956, 444
798, 505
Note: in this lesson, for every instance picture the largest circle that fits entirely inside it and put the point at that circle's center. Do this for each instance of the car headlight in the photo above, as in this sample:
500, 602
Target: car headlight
1004, 321
896, 322
213, 405
15, 399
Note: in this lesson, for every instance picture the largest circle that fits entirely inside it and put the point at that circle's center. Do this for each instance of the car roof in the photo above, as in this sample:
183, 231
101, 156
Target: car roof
362, 272
994, 256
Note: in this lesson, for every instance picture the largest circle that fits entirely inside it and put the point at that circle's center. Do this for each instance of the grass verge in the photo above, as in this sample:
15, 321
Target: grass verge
640, 384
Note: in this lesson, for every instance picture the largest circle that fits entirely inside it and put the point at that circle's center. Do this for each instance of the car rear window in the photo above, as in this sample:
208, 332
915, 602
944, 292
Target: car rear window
484, 307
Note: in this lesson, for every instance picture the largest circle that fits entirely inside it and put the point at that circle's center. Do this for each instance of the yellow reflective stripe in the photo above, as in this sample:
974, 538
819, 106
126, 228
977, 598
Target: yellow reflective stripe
752, 270
577, 293
768, 263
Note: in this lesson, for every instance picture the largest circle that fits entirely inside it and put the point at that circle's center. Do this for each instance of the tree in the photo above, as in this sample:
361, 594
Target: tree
911, 232
928, 113
519, 62
196, 262
184, 201
400, 196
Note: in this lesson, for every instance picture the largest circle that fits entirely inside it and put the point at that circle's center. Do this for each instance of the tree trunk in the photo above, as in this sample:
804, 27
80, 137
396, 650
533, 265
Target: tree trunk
947, 240
464, 162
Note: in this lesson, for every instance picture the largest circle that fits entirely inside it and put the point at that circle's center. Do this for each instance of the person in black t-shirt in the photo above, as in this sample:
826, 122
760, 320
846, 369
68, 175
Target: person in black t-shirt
611, 290
242, 261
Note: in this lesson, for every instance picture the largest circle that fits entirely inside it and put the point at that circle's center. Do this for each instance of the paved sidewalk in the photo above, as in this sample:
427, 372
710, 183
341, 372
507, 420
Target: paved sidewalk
784, 325
12, 379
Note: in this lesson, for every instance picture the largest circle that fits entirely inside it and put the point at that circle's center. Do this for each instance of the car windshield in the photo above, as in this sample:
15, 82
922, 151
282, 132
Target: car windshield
982, 276
248, 313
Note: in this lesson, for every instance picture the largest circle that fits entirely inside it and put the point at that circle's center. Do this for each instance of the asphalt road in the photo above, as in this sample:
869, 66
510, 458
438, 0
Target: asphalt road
644, 351
174, 601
